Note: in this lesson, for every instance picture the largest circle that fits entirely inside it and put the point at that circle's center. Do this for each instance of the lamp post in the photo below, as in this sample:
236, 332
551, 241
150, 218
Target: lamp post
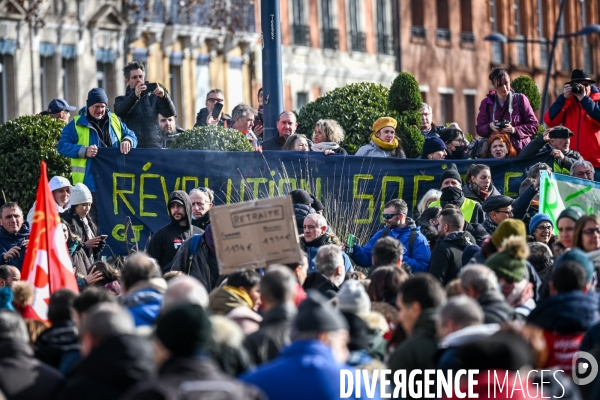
588, 29
271, 66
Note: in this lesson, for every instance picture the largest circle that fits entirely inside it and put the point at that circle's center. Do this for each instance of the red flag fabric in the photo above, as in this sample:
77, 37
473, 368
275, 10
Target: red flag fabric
47, 265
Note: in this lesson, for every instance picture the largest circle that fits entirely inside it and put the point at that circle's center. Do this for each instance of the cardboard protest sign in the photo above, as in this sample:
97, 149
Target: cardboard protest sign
255, 234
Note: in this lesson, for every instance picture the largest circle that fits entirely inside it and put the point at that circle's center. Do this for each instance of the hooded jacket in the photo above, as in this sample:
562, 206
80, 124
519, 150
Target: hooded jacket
167, 240
23, 377
446, 258
141, 115
55, 342
539, 146
523, 118
196, 377
8, 241
418, 258
273, 335
583, 119
144, 300
301, 211
495, 308
204, 265
116, 365
565, 318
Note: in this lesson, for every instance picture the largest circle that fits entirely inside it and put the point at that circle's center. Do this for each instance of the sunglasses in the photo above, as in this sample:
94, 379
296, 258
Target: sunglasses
214, 100
202, 189
591, 231
390, 216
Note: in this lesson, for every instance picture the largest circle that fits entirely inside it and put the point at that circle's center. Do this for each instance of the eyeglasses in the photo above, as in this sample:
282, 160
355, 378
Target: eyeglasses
544, 227
581, 174
591, 231
460, 141
212, 100
505, 212
390, 216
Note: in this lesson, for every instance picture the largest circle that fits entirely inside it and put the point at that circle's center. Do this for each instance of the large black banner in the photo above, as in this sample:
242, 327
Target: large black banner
132, 190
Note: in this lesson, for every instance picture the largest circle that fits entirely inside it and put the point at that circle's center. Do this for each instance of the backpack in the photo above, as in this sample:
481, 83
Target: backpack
411, 240
477, 148
193, 249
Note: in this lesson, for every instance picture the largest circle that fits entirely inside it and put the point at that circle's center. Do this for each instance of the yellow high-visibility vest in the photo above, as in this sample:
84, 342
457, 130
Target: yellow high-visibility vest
467, 208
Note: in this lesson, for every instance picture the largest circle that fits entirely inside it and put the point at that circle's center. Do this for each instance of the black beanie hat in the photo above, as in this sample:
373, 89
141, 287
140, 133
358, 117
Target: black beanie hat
450, 172
96, 95
184, 330
315, 314
359, 332
300, 196
316, 204
571, 213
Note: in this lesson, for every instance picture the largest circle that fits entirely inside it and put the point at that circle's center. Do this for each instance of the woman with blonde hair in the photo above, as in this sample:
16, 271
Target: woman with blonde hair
384, 142
327, 137
431, 196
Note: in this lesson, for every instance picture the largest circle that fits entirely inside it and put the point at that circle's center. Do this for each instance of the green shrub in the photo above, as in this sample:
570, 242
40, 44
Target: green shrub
211, 138
410, 135
355, 107
525, 85
405, 95
24, 143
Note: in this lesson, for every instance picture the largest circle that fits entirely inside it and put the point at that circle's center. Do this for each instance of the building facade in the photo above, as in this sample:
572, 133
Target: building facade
63, 48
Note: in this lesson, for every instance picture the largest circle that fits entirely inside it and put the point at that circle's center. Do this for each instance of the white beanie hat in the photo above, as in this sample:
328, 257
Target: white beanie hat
353, 298
58, 182
80, 194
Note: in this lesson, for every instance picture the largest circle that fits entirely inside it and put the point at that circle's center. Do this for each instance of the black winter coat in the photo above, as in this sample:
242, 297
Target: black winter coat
446, 258
469, 194
111, 369
320, 282
76, 224
167, 240
477, 231
192, 378
203, 115
275, 143
273, 335
495, 308
539, 146
141, 115
23, 377
55, 342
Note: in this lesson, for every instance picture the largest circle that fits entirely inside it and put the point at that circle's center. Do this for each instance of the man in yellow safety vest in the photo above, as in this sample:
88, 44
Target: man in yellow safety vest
95, 127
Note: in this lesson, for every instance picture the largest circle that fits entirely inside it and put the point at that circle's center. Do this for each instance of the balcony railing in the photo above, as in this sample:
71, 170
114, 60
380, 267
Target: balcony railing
330, 39
301, 35
385, 44
358, 42
419, 32
443, 35
467, 37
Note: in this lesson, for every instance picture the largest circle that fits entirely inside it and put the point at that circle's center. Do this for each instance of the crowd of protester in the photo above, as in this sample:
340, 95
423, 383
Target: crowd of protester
472, 280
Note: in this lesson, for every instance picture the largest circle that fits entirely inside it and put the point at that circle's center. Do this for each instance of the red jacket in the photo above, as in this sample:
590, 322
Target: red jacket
583, 118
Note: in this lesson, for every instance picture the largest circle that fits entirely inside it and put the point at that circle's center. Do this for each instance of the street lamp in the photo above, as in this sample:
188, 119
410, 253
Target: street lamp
589, 29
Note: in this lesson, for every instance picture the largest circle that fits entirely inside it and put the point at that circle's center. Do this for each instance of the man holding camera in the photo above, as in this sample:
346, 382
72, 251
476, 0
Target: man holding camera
555, 144
577, 109
140, 106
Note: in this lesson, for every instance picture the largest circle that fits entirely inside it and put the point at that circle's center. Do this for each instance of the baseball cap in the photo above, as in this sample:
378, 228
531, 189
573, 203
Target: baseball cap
58, 182
58, 105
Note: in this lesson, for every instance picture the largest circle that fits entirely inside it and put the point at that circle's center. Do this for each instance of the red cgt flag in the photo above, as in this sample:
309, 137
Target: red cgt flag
47, 265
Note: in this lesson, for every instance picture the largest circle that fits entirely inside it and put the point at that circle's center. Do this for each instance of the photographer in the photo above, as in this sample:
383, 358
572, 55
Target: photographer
140, 106
577, 109
505, 111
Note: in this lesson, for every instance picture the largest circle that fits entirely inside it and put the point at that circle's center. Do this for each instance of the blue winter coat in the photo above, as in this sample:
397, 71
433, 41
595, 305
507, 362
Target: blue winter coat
8, 241
306, 369
311, 252
418, 259
68, 147
566, 313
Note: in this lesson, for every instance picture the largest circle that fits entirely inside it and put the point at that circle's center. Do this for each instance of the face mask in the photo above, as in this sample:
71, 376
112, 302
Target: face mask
452, 195
459, 153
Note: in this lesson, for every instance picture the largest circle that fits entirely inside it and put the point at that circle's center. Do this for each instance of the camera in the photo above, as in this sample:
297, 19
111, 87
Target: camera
576, 88
150, 87
501, 124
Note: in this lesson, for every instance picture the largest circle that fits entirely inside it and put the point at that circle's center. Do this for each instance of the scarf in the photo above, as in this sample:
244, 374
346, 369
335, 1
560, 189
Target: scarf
325, 146
477, 191
517, 293
240, 293
452, 195
384, 145
489, 225
73, 246
318, 242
